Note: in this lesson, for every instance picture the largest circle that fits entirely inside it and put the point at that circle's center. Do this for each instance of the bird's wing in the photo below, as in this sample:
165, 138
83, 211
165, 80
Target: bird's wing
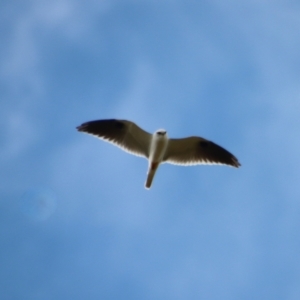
124, 134
196, 150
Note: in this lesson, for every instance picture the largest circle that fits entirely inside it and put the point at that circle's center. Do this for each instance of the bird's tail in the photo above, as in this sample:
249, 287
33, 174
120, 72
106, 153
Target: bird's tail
150, 175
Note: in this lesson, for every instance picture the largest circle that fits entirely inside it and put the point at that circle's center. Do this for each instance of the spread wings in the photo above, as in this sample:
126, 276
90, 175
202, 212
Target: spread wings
196, 150
124, 134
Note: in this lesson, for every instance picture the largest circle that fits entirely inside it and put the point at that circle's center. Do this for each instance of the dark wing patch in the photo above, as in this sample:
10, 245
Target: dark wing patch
196, 150
203, 144
125, 134
213, 153
111, 130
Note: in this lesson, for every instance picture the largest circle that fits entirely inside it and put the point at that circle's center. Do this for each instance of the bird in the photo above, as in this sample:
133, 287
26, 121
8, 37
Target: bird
158, 148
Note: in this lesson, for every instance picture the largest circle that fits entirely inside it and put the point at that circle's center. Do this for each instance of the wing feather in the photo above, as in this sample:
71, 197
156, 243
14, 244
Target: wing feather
196, 150
122, 133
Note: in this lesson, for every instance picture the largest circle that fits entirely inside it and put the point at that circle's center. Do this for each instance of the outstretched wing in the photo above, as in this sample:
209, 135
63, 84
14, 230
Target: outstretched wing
124, 134
196, 150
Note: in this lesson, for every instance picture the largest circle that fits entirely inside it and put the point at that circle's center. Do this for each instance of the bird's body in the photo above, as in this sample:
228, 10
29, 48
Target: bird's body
158, 148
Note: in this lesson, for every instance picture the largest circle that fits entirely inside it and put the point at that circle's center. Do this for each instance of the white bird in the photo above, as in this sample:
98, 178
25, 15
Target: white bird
157, 147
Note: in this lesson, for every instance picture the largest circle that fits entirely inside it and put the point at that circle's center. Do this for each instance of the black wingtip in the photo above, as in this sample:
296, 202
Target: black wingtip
85, 127
236, 163
104, 128
81, 127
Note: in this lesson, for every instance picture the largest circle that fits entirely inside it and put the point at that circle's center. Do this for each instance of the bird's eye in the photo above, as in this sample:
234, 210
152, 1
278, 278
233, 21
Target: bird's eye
160, 132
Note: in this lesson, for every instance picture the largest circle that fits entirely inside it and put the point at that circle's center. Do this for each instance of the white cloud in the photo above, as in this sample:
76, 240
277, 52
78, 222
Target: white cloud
135, 102
73, 18
21, 57
19, 71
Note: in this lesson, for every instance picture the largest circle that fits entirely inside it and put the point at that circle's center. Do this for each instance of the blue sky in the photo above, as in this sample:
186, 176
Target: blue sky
75, 219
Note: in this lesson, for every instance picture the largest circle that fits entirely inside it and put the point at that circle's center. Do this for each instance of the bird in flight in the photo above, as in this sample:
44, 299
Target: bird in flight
157, 147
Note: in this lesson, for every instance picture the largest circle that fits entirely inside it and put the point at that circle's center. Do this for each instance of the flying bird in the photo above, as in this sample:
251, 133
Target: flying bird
157, 147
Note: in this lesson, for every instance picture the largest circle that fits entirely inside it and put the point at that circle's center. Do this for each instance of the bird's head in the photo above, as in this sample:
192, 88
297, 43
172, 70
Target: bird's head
160, 133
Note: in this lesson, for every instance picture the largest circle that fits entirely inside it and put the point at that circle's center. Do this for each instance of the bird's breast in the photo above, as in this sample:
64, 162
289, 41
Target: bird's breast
158, 149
